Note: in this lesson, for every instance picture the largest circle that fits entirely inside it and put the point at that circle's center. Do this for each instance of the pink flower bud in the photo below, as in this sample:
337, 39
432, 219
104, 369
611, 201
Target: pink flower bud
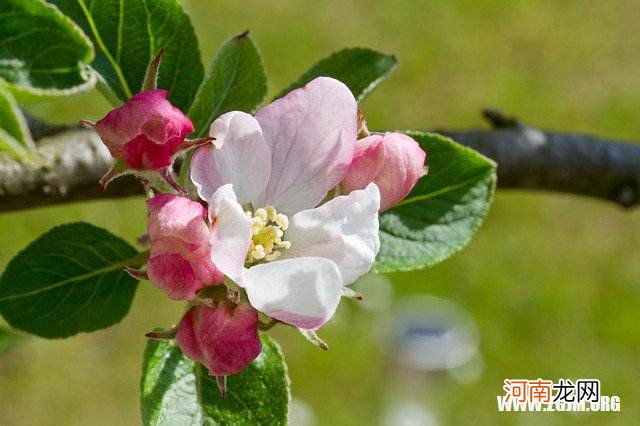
394, 162
224, 338
180, 262
146, 131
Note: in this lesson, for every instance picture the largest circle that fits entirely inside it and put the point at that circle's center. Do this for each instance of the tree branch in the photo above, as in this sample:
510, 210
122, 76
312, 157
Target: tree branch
70, 164
530, 158
73, 160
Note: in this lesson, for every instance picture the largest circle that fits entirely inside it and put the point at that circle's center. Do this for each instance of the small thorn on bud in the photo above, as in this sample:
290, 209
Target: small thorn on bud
363, 131
167, 176
265, 326
233, 295
151, 76
351, 294
144, 240
137, 274
190, 144
88, 124
221, 381
204, 301
113, 173
162, 334
313, 337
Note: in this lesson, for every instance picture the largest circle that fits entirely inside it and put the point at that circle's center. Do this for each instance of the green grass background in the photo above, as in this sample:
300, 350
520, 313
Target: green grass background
553, 281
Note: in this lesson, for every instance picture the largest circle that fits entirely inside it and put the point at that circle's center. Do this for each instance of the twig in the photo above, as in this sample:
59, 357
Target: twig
530, 158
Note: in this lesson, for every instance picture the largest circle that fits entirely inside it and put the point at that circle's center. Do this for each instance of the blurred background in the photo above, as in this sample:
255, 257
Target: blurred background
549, 287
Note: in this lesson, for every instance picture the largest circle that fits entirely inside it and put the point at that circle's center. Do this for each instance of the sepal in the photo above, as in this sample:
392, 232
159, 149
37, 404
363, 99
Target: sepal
118, 169
313, 337
221, 381
153, 69
351, 294
137, 274
162, 334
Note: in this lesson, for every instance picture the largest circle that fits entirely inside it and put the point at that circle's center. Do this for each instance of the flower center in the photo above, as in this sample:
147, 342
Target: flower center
268, 228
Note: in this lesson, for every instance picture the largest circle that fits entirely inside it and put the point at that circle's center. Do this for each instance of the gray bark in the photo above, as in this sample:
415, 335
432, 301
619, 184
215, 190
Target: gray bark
68, 169
530, 158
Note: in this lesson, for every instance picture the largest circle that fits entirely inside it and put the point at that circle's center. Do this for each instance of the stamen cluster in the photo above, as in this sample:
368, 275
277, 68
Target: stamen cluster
268, 228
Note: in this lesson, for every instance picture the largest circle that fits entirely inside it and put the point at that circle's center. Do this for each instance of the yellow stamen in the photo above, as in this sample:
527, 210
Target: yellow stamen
261, 213
282, 221
271, 213
258, 252
273, 256
267, 228
284, 245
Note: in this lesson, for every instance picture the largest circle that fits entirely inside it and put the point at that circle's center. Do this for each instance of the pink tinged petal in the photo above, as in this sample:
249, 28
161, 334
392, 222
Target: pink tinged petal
403, 165
304, 292
225, 338
368, 160
344, 230
180, 261
141, 153
186, 337
174, 275
125, 123
230, 233
156, 130
239, 156
189, 251
179, 222
146, 131
159, 120
225, 191
205, 271
311, 133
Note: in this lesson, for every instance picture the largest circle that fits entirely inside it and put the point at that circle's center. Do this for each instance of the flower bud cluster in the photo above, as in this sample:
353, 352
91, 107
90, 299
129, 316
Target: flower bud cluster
144, 136
228, 261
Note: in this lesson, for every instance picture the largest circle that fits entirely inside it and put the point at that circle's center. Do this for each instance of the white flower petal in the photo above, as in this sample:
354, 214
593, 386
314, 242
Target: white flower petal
225, 191
230, 233
344, 230
312, 134
304, 292
239, 156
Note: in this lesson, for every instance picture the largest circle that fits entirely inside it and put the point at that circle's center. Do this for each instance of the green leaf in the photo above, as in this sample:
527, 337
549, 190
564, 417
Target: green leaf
178, 391
442, 212
235, 81
42, 53
362, 70
15, 137
9, 339
128, 35
67, 281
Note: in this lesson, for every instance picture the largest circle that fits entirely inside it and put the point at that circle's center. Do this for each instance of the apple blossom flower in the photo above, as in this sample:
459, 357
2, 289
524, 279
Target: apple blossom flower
146, 131
393, 161
265, 178
224, 338
180, 262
